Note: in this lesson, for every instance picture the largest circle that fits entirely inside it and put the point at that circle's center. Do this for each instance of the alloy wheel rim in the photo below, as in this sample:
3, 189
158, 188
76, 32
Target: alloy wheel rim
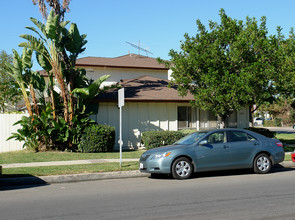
182, 168
263, 163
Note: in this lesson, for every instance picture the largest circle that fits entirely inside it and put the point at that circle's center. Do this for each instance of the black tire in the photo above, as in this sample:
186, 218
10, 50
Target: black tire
182, 168
262, 164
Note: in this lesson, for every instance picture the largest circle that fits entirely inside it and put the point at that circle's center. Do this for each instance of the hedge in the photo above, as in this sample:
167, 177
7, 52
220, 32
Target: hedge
97, 138
153, 139
289, 148
273, 123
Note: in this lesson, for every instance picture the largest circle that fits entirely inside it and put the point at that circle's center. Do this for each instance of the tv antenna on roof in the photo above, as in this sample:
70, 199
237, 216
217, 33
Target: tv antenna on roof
139, 48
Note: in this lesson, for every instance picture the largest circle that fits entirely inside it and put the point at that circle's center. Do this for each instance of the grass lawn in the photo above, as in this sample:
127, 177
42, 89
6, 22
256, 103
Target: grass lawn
72, 169
286, 138
26, 156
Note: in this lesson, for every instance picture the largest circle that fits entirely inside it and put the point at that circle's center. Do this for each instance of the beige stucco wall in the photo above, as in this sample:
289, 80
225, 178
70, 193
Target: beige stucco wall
138, 118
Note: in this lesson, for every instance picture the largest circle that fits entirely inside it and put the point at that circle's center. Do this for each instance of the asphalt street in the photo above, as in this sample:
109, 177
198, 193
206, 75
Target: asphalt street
213, 195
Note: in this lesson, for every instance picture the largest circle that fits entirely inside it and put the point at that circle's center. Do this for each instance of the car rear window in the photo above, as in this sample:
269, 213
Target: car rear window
235, 136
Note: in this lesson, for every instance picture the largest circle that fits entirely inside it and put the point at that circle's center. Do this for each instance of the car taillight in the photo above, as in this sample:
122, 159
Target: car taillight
279, 144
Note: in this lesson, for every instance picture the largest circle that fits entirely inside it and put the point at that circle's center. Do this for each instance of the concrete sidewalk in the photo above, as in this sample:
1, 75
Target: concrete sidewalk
69, 162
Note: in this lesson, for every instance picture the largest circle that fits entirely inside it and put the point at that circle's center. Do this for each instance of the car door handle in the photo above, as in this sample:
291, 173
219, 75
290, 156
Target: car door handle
256, 143
225, 146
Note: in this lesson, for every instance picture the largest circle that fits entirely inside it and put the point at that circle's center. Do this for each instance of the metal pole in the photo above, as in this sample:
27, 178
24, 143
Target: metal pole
121, 142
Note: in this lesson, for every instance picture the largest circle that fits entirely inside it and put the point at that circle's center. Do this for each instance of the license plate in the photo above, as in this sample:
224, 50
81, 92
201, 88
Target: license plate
141, 166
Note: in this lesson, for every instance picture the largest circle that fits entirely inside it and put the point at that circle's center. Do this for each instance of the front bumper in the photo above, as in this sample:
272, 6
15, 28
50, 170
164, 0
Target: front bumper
155, 166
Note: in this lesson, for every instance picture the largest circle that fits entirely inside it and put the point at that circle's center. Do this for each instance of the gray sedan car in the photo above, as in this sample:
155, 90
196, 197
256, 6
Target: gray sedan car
220, 149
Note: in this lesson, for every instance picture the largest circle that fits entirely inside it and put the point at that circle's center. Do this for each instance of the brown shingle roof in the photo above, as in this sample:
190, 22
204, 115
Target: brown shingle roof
145, 89
126, 61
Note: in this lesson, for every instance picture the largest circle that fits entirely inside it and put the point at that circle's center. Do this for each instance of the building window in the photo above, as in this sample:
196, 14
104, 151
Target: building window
185, 116
207, 120
233, 120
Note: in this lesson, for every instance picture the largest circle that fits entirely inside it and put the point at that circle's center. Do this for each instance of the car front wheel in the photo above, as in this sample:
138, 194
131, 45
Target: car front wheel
262, 164
182, 168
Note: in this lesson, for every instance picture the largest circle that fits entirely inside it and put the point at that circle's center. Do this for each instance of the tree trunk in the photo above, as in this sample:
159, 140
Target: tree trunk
64, 94
26, 98
52, 97
34, 100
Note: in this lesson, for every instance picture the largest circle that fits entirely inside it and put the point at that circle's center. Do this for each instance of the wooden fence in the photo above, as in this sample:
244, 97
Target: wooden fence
6, 129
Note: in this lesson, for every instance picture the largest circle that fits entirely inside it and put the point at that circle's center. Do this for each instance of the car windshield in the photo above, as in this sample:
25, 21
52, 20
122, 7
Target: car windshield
191, 138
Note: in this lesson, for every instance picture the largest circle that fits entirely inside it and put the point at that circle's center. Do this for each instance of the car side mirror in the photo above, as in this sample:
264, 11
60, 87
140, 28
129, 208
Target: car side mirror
203, 142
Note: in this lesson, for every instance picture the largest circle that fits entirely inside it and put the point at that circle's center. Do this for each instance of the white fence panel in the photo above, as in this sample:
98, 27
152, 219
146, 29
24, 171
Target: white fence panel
6, 129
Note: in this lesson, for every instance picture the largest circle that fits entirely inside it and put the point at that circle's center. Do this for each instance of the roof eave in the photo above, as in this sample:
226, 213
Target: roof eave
124, 67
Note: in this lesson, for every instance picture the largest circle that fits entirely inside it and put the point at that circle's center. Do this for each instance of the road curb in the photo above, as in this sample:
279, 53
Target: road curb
70, 178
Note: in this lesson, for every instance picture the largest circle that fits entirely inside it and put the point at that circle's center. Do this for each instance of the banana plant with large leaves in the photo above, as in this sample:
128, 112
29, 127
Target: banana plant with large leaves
74, 43
48, 52
85, 95
57, 49
17, 71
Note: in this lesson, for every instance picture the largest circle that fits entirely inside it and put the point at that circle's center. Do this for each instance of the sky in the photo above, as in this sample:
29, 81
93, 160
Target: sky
156, 25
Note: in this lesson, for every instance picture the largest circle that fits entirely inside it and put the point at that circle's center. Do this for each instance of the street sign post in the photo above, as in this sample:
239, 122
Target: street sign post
121, 102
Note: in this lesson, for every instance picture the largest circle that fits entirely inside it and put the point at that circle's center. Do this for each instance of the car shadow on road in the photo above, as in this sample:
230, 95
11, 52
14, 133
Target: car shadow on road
15, 182
277, 168
280, 168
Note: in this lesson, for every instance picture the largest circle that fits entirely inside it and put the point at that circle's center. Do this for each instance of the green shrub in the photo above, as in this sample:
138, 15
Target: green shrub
97, 138
153, 139
289, 148
278, 122
263, 131
269, 123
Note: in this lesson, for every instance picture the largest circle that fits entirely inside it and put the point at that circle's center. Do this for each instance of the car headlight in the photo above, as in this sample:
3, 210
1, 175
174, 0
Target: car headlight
159, 156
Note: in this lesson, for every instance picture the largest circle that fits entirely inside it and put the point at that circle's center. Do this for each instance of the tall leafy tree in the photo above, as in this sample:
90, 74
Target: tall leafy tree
283, 56
226, 67
10, 93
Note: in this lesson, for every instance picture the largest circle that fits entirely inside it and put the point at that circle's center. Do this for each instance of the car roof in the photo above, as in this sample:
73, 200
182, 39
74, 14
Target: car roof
234, 129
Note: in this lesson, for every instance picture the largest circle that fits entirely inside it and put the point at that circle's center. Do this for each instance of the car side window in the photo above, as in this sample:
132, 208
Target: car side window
251, 138
235, 136
217, 137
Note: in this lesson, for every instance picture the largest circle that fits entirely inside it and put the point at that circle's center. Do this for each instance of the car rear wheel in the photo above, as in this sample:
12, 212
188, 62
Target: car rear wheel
182, 168
262, 164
